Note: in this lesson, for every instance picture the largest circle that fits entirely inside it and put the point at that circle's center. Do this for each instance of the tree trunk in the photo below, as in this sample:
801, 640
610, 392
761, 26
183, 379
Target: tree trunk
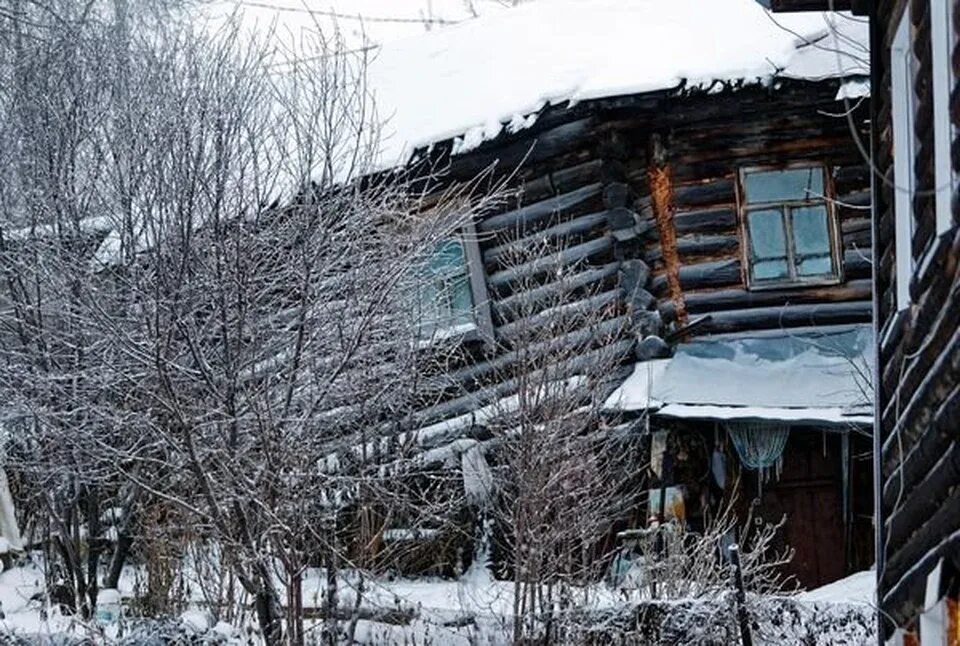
269, 613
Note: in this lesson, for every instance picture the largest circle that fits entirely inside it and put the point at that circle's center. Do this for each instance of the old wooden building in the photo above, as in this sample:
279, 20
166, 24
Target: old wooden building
914, 151
706, 225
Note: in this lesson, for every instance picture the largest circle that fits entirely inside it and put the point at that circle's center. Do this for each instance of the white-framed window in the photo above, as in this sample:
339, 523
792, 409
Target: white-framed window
451, 299
942, 43
903, 113
789, 230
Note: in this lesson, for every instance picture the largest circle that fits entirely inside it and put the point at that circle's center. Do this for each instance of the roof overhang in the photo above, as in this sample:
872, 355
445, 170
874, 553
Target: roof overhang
815, 416
858, 7
808, 377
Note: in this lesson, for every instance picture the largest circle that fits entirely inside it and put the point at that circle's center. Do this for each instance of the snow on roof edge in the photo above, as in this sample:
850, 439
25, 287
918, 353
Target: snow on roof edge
470, 81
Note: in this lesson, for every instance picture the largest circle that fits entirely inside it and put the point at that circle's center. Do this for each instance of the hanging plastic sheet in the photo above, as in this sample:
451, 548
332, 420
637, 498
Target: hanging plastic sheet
658, 449
759, 445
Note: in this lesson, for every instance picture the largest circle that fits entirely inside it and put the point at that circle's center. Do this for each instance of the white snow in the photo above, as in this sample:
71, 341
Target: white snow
817, 376
437, 604
858, 588
811, 415
635, 392
468, 80
477, 476
197, 621
409, 534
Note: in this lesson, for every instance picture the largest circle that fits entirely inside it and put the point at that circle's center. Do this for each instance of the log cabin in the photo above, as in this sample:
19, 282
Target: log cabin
914, 75
714, 224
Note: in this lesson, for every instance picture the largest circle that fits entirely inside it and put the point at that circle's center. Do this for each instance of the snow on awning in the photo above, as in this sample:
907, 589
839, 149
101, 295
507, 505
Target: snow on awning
809, 376
799, 416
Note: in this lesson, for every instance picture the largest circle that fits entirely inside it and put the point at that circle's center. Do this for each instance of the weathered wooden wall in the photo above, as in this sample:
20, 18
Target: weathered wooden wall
597, 291
709, 138
919, 348
586, 200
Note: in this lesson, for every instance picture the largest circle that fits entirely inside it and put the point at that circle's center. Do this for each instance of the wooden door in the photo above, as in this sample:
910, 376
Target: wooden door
808, 492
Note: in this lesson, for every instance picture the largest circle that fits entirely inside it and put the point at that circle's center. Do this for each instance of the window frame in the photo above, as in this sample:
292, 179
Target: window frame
903, 115
482, 329
786, 207
942, 43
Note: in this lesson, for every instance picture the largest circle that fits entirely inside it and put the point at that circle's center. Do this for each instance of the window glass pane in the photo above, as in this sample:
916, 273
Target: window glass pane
461, 300
427, 305
444, 296
814, 266
810, 232
770, 270
767, 238
447, 259
783, 185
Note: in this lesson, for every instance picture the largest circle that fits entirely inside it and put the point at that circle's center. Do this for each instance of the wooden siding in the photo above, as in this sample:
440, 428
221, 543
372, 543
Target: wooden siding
599, 285
705, 159
585, 197
919, 349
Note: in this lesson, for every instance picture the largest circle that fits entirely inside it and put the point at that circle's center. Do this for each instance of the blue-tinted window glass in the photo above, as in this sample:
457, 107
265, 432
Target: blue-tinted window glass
811, 240
444, 295
770, 270
447, 259
767, 237
783, 185
768, 245
815, 266
811, 235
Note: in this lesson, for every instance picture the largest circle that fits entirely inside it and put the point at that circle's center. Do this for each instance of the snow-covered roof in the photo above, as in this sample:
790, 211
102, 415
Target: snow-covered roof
816, 376
473, 79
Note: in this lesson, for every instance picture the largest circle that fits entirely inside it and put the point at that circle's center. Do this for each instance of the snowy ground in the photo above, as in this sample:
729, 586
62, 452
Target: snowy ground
475, 609
858, 588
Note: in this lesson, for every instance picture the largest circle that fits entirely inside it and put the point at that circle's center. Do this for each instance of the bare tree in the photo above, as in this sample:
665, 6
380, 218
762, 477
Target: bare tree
564, 469
210, 295
55, 207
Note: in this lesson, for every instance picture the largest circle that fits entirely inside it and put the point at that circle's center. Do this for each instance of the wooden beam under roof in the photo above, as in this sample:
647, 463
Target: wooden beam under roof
859, 7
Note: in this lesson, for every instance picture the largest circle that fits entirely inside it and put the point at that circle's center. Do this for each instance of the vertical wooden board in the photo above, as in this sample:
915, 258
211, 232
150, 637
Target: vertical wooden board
808, 491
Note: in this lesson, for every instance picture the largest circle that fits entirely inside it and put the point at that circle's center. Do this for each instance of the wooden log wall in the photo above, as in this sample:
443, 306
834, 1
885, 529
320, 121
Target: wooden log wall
919, 348
706, 141
560, 279
597, 286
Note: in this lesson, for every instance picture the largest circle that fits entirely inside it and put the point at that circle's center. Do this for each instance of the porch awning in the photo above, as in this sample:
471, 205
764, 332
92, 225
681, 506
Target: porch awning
811, 376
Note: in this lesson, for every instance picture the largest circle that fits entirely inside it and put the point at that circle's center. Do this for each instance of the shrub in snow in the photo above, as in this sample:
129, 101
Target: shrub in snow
774, 620
171, 631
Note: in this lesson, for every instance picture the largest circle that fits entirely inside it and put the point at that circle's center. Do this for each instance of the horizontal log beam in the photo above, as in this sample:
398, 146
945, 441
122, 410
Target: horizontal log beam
532, 148
539, 211
567, 344
921, 457
705, 221
739, 298
518, 249
606, 357
717, 191
553, 317
705, 274
552, 262
909, 566
557, 182
804, 315
528, 301
924, 500
692, 246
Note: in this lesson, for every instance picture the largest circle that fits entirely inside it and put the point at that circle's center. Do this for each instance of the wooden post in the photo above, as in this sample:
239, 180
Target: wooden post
741, 597
661, 193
